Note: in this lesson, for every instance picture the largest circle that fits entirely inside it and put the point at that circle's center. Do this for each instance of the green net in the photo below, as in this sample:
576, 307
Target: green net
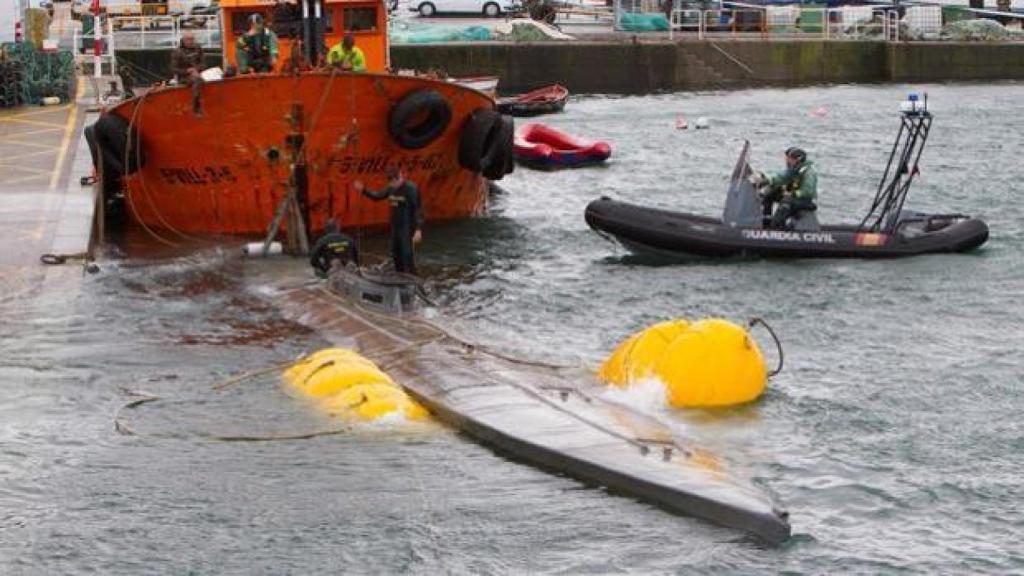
633, 22
434, 33
29, 75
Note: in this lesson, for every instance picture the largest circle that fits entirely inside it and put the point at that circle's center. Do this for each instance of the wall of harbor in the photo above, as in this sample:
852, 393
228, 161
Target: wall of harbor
643, 67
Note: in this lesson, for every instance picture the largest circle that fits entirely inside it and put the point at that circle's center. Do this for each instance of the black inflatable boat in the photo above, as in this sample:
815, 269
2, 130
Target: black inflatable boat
649, 230
887, 231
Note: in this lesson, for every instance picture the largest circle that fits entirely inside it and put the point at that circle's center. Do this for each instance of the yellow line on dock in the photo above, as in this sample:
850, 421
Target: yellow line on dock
40, 112
26, 155
69, 128
31, 132
26, 169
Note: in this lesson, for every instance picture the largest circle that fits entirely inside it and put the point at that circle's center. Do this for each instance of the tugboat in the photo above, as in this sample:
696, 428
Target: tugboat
886, 231
222, 157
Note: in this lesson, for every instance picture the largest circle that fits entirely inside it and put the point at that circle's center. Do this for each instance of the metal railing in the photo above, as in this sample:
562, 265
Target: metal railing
788, 22
165, 31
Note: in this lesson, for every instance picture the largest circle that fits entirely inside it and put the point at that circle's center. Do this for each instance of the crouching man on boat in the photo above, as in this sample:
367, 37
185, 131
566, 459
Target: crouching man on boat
256, 50
334, 248
795, 189
406, 216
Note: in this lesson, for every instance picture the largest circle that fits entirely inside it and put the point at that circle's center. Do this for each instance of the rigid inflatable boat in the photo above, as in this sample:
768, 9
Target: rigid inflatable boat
541, 146
887, 230
537, 415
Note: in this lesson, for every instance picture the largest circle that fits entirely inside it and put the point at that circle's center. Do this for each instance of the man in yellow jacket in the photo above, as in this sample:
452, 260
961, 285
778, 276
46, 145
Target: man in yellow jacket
347, 56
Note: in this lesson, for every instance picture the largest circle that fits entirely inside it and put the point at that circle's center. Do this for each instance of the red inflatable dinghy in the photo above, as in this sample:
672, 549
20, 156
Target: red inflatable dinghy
540, 146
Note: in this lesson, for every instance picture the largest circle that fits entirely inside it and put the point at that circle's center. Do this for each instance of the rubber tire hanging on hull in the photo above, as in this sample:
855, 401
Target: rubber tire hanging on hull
405, 125
121, 148
500, 156
116, 152
485, 144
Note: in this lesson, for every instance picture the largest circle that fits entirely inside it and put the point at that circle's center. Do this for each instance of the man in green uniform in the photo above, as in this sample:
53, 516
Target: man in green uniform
256, 50
333, 248
406, 216
347, 55
794, 189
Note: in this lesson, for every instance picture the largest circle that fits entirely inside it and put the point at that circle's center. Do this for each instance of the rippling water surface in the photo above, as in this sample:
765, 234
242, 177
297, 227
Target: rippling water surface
894, 435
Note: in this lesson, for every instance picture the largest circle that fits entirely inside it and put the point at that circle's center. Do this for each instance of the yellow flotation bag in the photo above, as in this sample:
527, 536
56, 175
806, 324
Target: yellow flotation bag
345, 383
712, 362
637, 358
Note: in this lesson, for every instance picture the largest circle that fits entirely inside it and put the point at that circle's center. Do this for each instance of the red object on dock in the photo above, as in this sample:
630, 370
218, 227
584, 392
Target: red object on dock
542, 146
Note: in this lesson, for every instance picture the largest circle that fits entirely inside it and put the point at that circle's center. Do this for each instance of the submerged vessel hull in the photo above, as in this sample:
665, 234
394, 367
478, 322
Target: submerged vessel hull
542, 417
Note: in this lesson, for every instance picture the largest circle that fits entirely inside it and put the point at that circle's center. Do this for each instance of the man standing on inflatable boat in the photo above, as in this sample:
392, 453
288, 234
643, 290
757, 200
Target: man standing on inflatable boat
406, 215
795, 189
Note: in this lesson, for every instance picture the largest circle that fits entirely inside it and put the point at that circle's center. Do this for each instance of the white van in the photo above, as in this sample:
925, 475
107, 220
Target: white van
492, 8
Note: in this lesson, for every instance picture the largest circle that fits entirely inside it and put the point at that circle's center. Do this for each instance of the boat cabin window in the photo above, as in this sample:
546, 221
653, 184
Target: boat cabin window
360, 19
240, 20
285, 20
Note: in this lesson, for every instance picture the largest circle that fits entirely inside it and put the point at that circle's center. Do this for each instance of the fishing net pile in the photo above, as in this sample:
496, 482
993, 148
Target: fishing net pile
28, 75
978, 30
408, 33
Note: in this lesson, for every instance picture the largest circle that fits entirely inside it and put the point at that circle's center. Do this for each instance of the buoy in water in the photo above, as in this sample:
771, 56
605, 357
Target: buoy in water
345, 383
819, 112
702, 123
637, 358
712, 362
681, 123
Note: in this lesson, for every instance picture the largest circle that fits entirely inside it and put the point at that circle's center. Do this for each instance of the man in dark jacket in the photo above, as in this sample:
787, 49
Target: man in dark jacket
406, 216
187, 60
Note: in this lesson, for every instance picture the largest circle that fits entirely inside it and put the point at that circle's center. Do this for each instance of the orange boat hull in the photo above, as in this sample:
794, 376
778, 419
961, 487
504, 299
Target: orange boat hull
215, 172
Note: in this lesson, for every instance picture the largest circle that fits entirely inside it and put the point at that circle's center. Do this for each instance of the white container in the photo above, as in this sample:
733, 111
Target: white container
51, 101
256, 249
212, 74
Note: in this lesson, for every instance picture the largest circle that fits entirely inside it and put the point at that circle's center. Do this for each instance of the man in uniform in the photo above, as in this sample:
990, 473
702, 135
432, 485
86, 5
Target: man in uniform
347, 55
333, 248
256, 50
794, 189
406, 216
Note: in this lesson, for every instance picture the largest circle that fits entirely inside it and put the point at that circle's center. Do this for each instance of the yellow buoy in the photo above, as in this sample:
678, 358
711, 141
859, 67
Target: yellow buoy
346, 383
712, 362
637, 358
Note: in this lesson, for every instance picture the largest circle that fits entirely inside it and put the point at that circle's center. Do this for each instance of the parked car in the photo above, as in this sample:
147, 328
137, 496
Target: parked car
200, 14
492, 8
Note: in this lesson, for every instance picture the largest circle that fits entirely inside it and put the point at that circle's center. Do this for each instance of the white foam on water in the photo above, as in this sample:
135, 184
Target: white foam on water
648, 395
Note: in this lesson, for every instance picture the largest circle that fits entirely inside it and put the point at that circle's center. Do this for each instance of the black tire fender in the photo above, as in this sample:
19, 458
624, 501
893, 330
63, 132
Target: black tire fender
419, 118
477, 132
498, 159
120, 148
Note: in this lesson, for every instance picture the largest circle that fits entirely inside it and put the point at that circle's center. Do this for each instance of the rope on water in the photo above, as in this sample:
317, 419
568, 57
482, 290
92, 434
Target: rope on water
778, 344
119, 424
253, 373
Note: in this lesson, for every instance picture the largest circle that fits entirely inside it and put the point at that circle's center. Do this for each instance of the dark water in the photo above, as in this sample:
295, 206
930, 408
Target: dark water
894, 436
